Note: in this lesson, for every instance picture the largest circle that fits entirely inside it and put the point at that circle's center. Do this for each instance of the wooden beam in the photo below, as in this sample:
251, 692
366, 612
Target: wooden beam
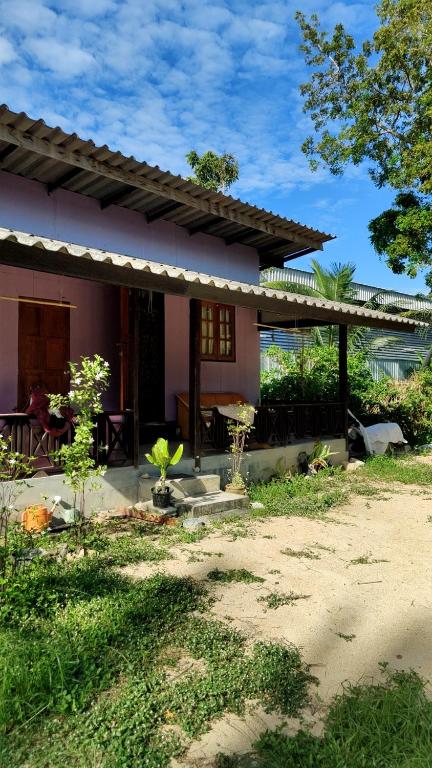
205, 225
7, 151
64, 179
85, 163
195, 380
240, 233
161, 211
268, 249
116, 197
292, 325
135, 377
343, 374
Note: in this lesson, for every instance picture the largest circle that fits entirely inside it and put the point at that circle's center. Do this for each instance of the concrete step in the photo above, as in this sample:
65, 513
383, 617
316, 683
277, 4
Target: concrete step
212, 503
194, 486
182, 486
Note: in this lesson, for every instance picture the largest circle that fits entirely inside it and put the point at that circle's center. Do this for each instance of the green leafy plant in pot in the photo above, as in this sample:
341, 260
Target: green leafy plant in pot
161, 458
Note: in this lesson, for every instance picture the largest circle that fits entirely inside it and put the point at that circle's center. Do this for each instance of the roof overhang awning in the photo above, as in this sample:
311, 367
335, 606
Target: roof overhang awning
21, 249
60, 160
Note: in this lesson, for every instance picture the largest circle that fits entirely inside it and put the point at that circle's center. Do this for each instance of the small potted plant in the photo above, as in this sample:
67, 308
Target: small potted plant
318, 459
161, 458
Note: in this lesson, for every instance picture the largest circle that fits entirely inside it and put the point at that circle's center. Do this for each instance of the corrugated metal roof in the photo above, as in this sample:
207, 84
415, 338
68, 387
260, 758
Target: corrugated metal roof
364, 292
33, 149
394, 346
24, 249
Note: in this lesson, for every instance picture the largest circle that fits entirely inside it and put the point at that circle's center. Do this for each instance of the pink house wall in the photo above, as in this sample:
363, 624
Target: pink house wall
26, 206
94, 327
242, 376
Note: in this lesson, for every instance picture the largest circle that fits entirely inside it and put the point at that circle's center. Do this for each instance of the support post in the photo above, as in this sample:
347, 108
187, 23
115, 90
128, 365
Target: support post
123, 347
195, 381
135, 377
343, 375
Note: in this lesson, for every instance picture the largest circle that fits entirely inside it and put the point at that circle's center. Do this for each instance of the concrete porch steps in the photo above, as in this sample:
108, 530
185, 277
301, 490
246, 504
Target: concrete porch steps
212, 503
197, 495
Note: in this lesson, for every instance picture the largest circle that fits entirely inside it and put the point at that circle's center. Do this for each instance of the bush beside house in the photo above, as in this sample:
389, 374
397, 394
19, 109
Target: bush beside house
312, 375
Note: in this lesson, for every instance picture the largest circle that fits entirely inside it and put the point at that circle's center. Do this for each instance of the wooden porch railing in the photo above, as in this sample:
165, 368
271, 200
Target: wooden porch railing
113, 439
282, 424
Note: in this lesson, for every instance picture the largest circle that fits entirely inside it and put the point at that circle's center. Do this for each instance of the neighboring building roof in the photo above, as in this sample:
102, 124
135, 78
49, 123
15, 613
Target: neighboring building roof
32, 149
22, 249
393, 355
364, 292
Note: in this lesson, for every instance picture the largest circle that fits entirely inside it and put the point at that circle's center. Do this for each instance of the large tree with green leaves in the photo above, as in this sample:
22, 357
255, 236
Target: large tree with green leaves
213, 171
371, 101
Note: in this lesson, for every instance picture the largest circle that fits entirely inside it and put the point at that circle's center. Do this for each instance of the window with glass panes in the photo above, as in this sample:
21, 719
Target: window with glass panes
217, 332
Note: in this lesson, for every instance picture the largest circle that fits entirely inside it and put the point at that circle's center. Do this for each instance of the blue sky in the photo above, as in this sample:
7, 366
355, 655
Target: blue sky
156, 78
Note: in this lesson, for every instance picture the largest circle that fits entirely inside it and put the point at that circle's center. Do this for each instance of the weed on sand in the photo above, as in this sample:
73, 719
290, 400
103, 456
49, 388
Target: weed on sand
385, 725
276, 599
236, 574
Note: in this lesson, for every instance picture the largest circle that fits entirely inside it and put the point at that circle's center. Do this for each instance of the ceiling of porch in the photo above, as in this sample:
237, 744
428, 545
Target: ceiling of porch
21, 249
32, 149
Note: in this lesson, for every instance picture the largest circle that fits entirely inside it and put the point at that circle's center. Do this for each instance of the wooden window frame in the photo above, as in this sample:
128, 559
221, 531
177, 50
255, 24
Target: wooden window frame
216, 356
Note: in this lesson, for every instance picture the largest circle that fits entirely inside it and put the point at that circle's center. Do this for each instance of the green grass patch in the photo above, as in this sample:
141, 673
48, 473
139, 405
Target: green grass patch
387, 725
276, 599
401, 469
366, 559
236, 574
84, 674
300, 496
301, 553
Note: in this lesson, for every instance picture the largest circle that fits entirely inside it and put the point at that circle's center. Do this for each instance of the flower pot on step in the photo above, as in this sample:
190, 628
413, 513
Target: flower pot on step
161, 498
36, 518
239, 490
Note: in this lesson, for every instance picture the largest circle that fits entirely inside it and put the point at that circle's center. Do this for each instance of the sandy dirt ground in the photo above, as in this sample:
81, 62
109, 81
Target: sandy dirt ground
356, 615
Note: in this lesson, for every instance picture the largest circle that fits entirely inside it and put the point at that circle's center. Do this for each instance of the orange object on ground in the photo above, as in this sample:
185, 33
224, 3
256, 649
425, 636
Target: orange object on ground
36, 518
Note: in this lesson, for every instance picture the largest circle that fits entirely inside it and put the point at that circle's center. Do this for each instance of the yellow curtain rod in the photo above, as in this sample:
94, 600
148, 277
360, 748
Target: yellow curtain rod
45, 302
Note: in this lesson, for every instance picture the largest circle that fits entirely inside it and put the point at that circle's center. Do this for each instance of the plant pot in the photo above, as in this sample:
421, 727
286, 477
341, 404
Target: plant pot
36, 518
239, 490
161, 499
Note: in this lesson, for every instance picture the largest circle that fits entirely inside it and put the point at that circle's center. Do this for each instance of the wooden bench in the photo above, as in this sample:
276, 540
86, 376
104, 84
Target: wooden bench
209, 401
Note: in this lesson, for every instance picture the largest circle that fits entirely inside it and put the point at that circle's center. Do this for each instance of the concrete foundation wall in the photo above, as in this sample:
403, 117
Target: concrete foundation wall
119, 487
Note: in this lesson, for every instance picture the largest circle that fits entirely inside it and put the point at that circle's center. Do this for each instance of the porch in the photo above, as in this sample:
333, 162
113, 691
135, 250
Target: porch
149, 325
275, 426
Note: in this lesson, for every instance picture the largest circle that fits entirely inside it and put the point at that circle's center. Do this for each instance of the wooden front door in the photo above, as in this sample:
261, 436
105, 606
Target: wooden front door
43, 349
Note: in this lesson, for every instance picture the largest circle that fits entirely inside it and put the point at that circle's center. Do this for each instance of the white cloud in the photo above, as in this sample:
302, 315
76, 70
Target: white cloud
155, 78
63, 59
28, 15
7, 51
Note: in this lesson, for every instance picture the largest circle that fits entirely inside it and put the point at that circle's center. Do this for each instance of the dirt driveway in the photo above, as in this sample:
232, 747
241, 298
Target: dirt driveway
363, 583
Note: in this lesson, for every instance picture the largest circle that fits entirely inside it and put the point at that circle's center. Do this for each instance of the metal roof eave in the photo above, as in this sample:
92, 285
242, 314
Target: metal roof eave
34, 150
29, 251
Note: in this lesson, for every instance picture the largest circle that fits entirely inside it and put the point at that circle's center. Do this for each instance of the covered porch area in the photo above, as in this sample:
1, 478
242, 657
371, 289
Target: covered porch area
145, 304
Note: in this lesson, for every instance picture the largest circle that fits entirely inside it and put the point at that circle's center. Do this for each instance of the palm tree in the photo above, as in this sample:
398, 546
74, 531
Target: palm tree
336, 284
333, 284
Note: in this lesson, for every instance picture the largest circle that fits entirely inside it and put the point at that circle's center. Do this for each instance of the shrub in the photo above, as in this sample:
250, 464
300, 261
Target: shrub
408, 402
313, 375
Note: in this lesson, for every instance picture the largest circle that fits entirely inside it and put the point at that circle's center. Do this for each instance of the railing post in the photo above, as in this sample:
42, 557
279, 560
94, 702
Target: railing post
343, 375
195, 381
